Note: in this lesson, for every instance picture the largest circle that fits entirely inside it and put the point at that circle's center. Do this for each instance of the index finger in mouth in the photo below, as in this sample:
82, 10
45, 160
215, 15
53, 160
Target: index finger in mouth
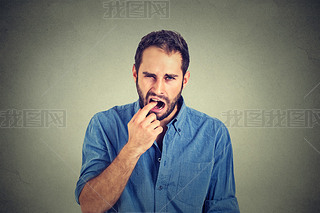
146, 109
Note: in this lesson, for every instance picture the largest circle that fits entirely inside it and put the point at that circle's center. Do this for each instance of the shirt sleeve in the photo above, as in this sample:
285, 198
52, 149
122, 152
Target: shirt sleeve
96, 154
221, 194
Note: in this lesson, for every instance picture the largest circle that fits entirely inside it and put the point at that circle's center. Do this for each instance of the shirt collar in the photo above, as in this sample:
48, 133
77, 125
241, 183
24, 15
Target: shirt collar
177, 121
136, 107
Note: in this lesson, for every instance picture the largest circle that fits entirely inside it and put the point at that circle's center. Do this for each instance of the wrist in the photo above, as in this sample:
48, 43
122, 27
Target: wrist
132, 151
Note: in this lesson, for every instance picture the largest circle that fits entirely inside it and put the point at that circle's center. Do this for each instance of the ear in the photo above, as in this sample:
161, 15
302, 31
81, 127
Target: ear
134, 73
186, 78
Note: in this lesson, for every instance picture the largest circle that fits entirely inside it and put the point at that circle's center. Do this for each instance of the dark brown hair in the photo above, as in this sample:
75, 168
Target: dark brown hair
169, 41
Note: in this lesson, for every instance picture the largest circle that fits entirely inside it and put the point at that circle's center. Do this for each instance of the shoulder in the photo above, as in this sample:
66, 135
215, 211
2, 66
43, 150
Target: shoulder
201, 123
200, 118
115, 114
210, 128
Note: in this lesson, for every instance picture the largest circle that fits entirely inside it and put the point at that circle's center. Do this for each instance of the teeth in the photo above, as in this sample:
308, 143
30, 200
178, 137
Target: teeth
153, 99
160, 103
161, 107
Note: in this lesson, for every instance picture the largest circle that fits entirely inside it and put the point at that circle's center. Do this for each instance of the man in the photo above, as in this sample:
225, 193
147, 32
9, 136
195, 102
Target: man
157, 154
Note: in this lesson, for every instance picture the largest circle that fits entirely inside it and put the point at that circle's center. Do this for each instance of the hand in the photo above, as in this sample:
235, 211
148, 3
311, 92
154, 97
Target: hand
143, 130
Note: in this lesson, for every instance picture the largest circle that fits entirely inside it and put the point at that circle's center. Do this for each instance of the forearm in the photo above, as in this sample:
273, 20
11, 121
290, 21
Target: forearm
102, 192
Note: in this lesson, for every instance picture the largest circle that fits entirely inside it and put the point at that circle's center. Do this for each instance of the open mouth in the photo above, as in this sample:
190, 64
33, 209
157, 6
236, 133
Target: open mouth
160, 104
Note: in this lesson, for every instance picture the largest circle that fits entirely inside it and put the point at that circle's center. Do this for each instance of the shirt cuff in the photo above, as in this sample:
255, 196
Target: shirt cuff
229, 205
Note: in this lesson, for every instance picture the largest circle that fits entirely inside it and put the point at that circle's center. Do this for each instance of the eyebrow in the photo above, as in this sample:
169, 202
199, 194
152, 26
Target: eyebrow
172, 75
154, 75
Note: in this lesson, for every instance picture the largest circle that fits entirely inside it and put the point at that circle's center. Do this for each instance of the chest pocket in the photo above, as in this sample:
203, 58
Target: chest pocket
193, 183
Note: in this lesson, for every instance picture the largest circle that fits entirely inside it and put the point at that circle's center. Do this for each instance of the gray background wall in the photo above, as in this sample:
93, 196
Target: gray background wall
251, 57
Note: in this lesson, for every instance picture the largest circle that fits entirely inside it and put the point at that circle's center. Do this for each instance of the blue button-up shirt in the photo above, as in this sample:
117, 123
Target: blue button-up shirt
193, 173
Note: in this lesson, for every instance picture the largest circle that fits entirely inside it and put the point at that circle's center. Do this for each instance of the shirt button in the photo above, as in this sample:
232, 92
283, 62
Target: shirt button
160, 187
159, 159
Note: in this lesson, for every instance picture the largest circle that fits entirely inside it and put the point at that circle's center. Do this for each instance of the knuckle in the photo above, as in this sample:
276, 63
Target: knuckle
152, 115
141, 125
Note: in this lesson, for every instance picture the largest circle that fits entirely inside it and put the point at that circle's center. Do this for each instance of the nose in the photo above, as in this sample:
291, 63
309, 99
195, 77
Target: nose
158, 87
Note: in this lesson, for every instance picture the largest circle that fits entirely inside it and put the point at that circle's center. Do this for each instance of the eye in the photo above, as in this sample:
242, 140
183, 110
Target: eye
149, 76
170, 78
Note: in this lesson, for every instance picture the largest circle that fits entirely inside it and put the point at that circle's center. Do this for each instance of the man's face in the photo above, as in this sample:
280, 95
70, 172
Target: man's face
161, 80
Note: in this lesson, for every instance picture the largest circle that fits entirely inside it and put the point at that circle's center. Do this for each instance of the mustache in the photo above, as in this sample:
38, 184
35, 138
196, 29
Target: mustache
158, 96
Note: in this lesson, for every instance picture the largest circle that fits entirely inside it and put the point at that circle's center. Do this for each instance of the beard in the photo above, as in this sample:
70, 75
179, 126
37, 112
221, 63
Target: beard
169, 104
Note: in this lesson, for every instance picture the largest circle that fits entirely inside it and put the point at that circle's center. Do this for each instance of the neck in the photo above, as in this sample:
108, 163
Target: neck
165, 121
